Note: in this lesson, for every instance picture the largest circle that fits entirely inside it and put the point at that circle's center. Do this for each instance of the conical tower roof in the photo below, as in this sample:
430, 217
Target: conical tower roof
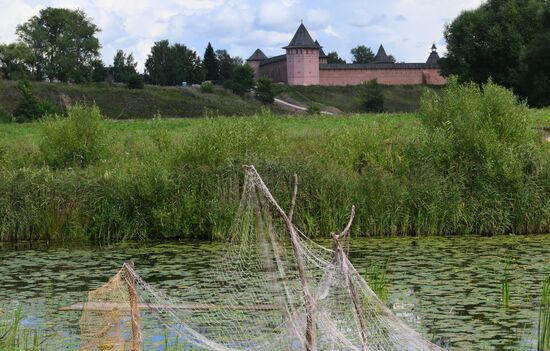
381, 56
434, 56
302, 40
258, 55
321, 51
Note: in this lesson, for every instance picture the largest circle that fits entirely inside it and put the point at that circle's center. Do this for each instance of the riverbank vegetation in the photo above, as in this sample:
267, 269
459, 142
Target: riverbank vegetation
470, 162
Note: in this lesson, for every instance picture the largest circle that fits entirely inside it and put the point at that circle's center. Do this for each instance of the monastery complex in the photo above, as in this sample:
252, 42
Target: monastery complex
305, 63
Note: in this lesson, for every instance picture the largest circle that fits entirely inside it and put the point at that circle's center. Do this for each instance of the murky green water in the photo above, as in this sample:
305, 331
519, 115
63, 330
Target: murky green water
447, 288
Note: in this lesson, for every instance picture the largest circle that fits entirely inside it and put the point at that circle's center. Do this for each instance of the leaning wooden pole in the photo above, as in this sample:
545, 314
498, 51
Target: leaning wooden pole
134, 307
311, 338
341, 256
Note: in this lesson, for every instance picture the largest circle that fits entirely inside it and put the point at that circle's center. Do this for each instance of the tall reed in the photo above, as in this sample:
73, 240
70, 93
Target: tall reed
505, 284
14, 338
543, 335
376, 275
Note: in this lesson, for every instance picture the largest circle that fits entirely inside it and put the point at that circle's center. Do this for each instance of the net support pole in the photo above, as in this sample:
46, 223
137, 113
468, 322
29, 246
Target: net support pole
341, 257
311, 337
134, 307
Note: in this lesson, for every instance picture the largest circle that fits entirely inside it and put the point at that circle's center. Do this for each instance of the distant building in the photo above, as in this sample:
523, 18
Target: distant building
305, 63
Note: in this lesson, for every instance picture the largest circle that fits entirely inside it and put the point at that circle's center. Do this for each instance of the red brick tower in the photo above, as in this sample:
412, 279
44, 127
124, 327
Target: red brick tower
302, 59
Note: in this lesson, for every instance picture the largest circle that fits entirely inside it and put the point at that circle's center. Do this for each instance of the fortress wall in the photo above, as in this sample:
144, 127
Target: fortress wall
433, 77
275, 70
384, 76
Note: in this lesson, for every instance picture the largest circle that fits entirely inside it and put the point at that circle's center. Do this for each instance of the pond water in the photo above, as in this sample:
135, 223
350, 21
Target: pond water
449, 289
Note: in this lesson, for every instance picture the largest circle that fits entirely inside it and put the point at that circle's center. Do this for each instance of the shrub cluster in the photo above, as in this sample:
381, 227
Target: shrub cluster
264, 90
5, 117
241, 80
373, 96
77, 140
135, 81
207, 87
30, 107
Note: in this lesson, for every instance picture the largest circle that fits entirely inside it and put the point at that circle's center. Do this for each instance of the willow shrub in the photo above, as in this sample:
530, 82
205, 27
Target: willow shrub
480, 141
75, 140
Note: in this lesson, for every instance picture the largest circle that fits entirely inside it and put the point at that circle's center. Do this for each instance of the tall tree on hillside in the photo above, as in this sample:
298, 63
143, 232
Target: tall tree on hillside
124, 66
227, 63
16, 61
210, 64
501, 40
334, 58
173, 64
63, 43
156, 66
99, 72
362, 54
184, 66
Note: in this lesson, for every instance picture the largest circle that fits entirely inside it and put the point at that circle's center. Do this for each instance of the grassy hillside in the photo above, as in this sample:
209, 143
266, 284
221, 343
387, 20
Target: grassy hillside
402, 98
119, 102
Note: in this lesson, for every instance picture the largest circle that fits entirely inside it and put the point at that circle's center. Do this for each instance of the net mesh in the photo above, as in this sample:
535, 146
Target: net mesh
273, 289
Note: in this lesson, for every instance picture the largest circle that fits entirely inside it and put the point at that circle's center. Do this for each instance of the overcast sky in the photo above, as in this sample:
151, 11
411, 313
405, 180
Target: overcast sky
407, 28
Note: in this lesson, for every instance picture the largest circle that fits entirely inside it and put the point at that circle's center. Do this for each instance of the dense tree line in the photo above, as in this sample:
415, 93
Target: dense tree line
62, 44
361, 54
506, 40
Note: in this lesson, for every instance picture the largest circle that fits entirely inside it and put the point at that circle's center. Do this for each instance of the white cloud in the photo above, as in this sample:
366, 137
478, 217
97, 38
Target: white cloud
276, 15
14, 13
317, 18
330, 31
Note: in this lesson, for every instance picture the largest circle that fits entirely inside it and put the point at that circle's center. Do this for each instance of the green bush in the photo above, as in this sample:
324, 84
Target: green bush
207, 87
314, 109
481, 142
76, 140
241, 80
5, 117
30, 107
373, 96
135, 81
264, 90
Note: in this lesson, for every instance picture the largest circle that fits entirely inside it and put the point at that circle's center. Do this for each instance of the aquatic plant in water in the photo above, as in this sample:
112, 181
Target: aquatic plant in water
13, 338
543, 339
505, 285
376, 275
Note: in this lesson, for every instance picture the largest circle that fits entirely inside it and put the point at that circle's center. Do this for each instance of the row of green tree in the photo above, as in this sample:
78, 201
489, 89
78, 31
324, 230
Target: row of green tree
361, 54
62, 44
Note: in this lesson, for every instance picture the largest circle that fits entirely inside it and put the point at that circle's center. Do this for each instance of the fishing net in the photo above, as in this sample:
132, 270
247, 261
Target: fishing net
273, 289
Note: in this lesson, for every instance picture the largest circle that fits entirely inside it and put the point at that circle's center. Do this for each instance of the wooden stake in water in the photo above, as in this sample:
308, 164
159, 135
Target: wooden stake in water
341, 258
134, 307
311, 338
